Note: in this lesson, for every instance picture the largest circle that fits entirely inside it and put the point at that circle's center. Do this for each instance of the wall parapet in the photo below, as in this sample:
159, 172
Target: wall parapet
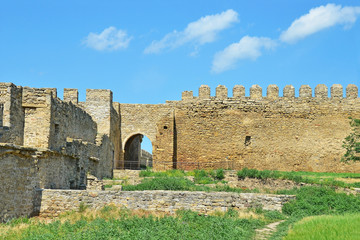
55, 202
321, 91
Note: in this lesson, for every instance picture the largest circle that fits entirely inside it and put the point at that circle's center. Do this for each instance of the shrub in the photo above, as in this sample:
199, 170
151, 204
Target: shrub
202, 177
220, 174
245, 172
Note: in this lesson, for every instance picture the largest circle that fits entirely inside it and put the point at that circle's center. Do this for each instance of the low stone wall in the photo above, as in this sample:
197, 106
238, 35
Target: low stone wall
55, 202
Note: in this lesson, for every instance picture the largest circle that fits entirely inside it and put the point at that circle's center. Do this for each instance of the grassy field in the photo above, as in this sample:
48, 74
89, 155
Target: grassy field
113, 223
177, 179
344, 227
315, 201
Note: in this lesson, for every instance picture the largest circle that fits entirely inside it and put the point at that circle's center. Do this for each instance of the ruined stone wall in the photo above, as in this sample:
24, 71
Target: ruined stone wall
11, 114
115, 134
70, 121
23, 170
61, 144
55, 202
49, 121
99, 104
280, 133
37, 120
105, 148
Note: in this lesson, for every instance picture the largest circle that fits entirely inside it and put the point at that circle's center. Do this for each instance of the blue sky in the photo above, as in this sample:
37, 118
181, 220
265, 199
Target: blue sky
151, 51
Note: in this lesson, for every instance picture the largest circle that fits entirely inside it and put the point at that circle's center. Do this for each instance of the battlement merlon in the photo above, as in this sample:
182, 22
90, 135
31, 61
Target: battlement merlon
100, 96
99, 104
272, 92
71, 95
37, 97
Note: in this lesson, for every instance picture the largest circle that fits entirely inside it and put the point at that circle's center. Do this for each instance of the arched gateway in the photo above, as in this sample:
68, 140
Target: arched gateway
135, 157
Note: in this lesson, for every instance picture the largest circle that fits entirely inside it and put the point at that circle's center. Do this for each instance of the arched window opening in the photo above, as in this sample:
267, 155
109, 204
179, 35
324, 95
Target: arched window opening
138, 152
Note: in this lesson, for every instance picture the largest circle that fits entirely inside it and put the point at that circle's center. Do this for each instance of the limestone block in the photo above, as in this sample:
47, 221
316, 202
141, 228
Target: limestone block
204, 92
336, 91
255, 92
305, 91
221, 92
238, 91
99, 95
289, 91
321, 91
351, 91
272, 91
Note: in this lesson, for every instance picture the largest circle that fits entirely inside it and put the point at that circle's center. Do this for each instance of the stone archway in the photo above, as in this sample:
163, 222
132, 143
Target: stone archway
135, 157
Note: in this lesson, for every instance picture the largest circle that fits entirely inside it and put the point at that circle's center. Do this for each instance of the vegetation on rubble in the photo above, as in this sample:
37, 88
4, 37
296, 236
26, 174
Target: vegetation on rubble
324, 179
178, 184
321, 198
200, 176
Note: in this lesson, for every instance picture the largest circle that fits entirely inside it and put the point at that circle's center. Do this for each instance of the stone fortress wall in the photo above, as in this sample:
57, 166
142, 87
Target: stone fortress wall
266, 132
49, 143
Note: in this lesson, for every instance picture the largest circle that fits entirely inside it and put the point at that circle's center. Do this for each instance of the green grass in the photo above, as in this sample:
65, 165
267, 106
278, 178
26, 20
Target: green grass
111, 223
176, 179
200, 176
315, 200
169, 173
324, 179
345, 227
215, 176
178, 184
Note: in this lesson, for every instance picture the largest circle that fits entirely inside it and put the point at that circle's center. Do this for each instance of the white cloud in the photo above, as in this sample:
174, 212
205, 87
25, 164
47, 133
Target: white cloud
110, 39
318, 19
246, 48
199, 32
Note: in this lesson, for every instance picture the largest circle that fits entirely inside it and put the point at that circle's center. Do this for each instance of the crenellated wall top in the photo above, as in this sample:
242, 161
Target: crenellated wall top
321, 91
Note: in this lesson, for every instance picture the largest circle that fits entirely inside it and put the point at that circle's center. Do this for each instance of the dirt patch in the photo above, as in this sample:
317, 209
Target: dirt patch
265, 232
348, 180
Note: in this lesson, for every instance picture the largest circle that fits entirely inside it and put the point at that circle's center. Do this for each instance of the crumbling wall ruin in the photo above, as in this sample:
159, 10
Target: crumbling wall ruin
46, 143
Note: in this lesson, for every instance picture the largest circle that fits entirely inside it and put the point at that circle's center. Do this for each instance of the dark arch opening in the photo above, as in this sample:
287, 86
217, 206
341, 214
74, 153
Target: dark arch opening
137, 152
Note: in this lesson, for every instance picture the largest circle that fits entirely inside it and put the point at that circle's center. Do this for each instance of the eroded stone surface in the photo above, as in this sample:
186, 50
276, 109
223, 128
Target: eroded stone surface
55, 202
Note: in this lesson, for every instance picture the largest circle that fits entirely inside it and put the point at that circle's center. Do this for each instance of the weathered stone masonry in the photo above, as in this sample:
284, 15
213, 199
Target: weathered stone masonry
51, 143
272, 132
57, 201
48, 143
